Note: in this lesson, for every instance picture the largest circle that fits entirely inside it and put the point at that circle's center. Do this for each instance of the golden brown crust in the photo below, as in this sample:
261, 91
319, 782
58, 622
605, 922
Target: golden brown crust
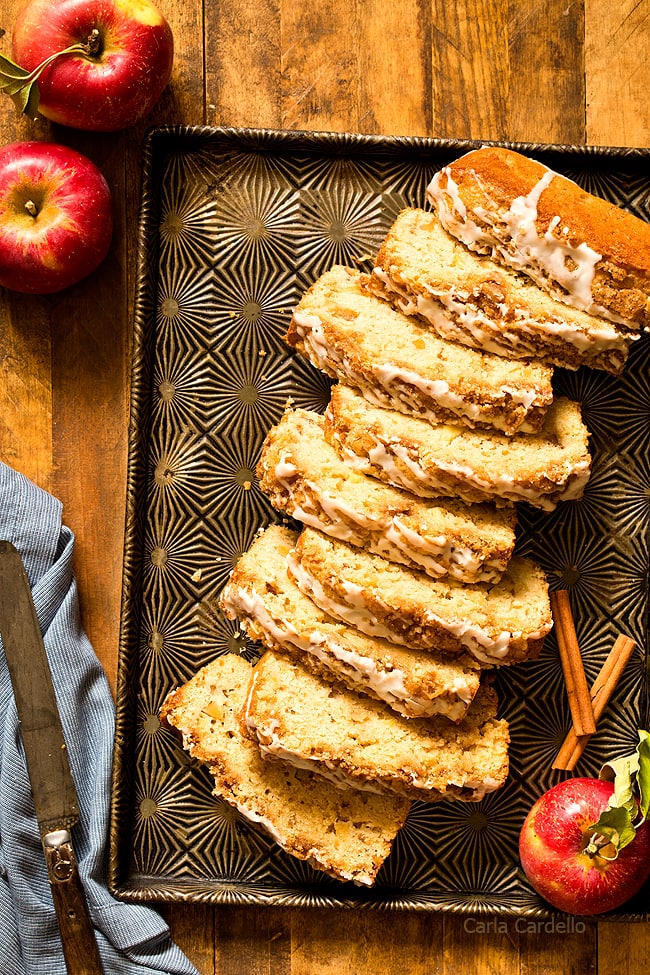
347, 835
491, 178
539, 468
269, 605
365, 745
302, 475
618, 235
495, 624
468, 297
394, 359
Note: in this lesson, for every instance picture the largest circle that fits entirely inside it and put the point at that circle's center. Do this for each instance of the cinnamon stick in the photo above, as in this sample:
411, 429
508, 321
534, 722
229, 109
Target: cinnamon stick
582, 712
601, 691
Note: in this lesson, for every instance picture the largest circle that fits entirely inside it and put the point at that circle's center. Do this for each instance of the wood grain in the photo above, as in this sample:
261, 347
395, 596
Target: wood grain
616, 71
395, 94
544, 110
319, 76
470, 69
541, 70
623, 948
25, 370
243, 63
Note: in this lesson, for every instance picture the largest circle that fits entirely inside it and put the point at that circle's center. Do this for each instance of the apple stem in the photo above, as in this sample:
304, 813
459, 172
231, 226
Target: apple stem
93, 42
597, 844
31, 208
88, 48
82, 48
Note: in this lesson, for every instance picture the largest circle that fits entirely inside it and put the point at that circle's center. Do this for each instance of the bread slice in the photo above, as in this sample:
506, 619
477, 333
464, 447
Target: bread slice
399, 363
582, 249
470, 299
358, 742
261, 594
500, 624
303, 476
449, 461
346, 834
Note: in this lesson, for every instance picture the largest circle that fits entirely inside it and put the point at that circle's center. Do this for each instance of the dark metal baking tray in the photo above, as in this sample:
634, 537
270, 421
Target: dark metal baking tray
235, 225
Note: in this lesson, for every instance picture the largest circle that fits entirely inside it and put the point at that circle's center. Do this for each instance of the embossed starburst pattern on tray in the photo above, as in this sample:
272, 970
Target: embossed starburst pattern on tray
235, 225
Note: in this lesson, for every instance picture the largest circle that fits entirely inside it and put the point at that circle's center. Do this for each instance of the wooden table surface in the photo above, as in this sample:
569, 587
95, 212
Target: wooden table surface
561, 71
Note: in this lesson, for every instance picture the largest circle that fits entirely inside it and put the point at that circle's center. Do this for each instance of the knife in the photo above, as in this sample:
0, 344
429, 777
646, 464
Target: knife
53, 790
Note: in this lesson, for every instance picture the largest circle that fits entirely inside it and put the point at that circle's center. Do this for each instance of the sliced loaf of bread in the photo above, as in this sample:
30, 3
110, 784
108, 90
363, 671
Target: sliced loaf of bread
262, 595
346, 834
581, 248
542, 469
359, 743
398, 362
498, 624
303, 476
467, 298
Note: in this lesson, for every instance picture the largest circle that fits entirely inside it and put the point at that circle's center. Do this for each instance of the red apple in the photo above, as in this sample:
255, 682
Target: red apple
565, 859
56, 217
128, 61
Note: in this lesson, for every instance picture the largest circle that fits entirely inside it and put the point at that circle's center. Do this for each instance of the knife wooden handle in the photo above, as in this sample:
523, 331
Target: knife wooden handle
77, 934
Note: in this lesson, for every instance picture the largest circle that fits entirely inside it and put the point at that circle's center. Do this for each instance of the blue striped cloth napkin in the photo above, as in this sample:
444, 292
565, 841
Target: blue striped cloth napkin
132, 938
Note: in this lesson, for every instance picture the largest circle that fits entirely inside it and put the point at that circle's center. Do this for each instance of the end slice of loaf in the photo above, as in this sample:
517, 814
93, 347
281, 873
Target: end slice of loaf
398, 362
579, 247
500, 624
359, 743
542, 469
346, 834
467, 298
303, 476
264, 598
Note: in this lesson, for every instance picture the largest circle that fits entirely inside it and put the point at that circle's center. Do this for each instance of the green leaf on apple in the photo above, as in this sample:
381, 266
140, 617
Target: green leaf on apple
621, 772
630, 800
20, 86
614, 827
643, 773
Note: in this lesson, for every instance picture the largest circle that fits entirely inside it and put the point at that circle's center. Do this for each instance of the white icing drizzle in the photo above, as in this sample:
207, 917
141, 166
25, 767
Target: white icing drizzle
410, 392
564, 269
484, 647
310, 330
380, 461
438, 555
388, 685
455, 317
270, 744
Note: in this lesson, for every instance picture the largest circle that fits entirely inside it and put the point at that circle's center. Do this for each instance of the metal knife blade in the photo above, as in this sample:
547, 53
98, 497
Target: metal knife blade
53, 789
